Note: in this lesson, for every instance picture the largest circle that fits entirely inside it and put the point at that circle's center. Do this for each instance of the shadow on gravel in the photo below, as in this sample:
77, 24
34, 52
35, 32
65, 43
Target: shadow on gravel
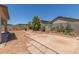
11, 37
5, 37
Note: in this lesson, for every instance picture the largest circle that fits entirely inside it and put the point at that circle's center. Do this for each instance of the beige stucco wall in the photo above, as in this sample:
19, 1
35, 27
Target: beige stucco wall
59, 21
74, 25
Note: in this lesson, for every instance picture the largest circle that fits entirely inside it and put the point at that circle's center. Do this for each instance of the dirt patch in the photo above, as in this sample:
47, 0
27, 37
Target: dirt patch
61, 41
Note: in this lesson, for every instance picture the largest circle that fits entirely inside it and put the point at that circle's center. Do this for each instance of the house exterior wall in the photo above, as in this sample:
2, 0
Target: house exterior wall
3, 25
4, 12
4, 17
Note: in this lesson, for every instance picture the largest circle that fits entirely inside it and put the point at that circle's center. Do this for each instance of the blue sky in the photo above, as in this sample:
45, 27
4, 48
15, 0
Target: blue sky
23, 13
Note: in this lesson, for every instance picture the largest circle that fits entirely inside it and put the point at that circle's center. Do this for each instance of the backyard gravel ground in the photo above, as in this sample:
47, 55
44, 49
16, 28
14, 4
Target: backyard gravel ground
29, 42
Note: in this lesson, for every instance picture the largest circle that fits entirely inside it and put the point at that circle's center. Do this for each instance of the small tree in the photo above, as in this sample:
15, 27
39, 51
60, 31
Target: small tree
42, 28
36, 23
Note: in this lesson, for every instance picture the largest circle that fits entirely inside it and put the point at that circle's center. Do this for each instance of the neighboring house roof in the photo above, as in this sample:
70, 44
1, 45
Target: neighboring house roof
45, 22
65, 19
4, 12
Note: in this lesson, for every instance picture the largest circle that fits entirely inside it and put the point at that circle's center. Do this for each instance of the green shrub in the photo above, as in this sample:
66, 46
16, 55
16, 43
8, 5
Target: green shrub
57, 29
61, 28
66, 29
42, 28
25, 29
